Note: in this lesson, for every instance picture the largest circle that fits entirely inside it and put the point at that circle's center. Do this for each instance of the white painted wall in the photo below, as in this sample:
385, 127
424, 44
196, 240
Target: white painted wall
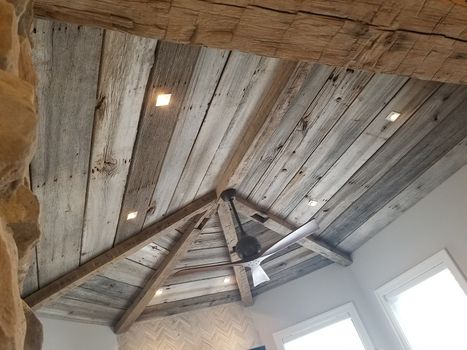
438, 221
65, 335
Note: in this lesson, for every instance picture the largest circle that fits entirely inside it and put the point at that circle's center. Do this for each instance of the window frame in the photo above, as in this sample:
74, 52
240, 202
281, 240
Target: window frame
410, 278
323, 320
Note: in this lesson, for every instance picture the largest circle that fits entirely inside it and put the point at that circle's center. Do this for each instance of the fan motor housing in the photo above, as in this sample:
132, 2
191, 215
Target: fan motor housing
248, 247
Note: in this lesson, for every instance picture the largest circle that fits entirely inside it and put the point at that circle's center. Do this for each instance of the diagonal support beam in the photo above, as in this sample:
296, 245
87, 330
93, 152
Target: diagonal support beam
231, 238
78, 276
283, 228
163, 272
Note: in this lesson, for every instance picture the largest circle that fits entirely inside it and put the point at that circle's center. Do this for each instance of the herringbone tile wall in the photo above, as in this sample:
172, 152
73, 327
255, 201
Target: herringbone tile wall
223, 327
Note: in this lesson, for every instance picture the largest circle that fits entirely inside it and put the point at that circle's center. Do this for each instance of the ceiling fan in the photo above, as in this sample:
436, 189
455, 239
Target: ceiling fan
249, 249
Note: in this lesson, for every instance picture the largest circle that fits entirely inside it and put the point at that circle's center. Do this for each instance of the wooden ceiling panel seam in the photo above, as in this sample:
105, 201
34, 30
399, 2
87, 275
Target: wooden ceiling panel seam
172, 71
275, 127
339, 138
321, 193
66, 99
330, 119
422, 122
161, 199
120, 251
162, 273
422, 156
428, 181
123, 77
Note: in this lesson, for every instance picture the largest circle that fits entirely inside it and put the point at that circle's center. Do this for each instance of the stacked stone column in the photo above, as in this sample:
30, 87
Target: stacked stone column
19, 209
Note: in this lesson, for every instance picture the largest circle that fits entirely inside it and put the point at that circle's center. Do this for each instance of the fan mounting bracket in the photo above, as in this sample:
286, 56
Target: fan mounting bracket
229, 195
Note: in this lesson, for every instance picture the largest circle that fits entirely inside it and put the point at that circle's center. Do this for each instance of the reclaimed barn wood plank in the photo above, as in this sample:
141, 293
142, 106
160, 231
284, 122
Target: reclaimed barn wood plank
120, 251
231, 91
125, 65
407, 101
422, 122
199, 95
421, 157
67, 63
292, 185
454, 160
188, 290
318, 118
171, 74
164, 270
277, 115
263, 87
167, 309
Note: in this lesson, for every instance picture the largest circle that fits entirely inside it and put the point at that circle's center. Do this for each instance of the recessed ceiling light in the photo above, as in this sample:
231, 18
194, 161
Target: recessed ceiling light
392, 117
312, 203
163, 100
159, 292
132, 215
227, 280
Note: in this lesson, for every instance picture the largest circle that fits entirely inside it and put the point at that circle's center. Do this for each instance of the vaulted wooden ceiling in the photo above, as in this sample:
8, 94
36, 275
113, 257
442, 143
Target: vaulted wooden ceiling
308, 132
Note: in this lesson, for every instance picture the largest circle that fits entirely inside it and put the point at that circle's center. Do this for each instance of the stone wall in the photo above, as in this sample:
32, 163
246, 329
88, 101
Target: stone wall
19, 209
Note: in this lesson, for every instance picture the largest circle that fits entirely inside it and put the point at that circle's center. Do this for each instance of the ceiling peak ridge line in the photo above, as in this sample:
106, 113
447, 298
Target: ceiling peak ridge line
164, 270
120, 251
283, 228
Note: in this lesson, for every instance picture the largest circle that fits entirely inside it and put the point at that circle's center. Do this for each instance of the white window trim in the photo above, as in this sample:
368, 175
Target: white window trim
412, 277
328, 318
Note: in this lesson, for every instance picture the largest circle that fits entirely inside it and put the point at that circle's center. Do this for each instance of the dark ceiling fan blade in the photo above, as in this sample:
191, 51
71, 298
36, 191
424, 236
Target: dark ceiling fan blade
197, 268
293, 237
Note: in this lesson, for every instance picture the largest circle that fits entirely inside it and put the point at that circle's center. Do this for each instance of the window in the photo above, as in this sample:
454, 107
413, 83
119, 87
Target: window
427, 305
337, 329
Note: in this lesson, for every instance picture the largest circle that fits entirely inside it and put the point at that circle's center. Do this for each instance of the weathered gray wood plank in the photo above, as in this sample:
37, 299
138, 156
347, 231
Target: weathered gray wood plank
303, 86
288, 190
171, 73
204, 81
425, 119
125, 65
454, 160
407, 101
66, 58
318, 118
239, 71
173, 308
422, 156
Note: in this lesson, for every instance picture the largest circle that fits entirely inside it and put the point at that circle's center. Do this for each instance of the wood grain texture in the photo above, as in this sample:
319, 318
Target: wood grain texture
94, 266
407, 101
230, 234
224, 109
426, 40
160, 276
422, 156
423, 121
199, 95
125, 65
67, 62
173, 308
454, 160
171, 73
288, 185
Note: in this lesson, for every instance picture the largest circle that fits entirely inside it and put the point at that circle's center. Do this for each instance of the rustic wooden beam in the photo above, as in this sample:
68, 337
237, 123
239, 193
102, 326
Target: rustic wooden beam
163, 272
228, 227
283, 228
422, 39
76, 277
